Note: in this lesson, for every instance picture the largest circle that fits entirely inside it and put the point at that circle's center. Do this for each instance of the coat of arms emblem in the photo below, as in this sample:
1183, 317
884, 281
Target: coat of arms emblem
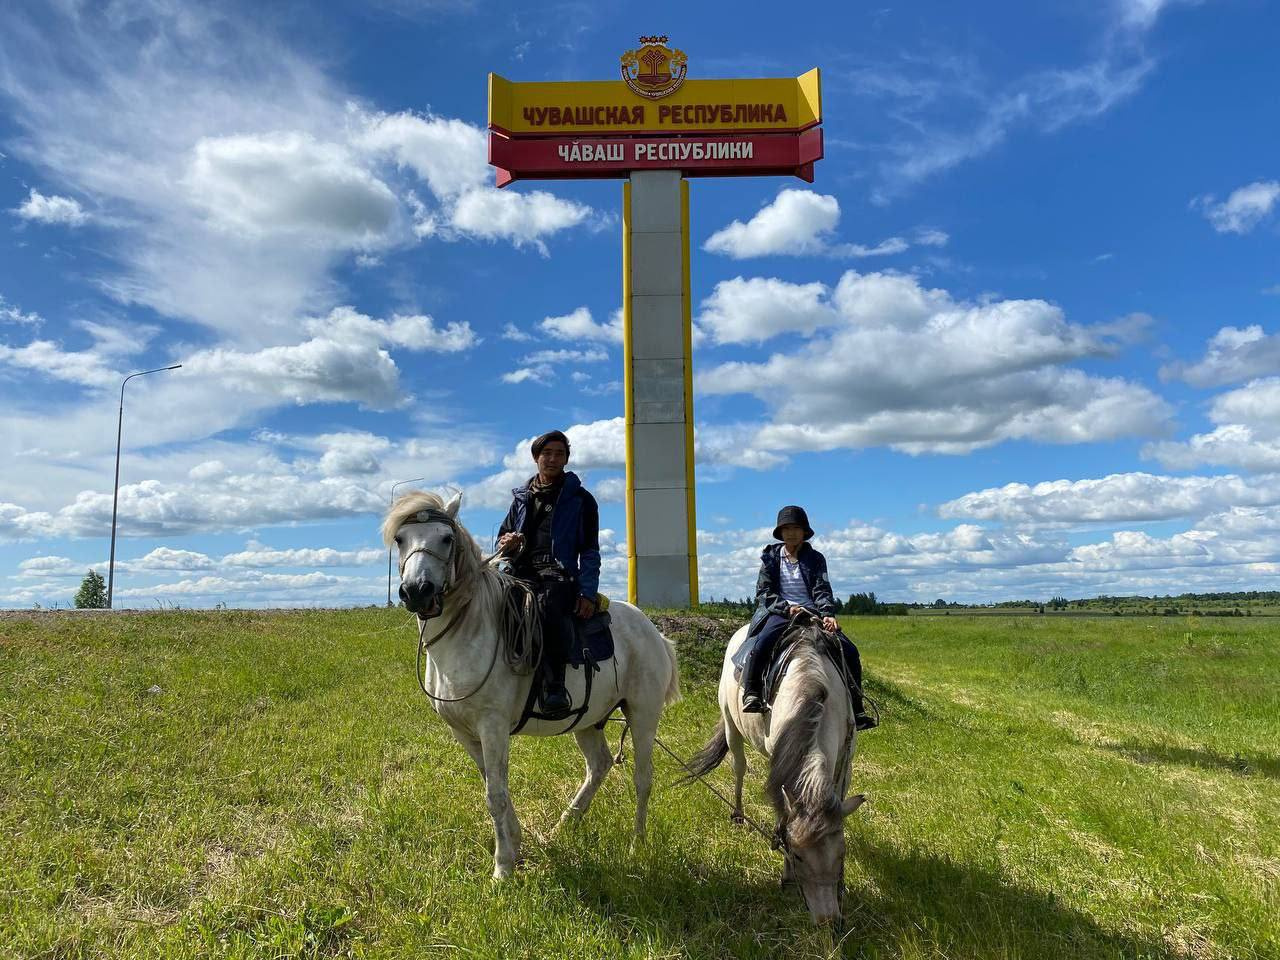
654, 70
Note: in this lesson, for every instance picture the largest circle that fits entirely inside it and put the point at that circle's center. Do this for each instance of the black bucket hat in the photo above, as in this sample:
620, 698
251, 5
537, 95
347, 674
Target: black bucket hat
792, 514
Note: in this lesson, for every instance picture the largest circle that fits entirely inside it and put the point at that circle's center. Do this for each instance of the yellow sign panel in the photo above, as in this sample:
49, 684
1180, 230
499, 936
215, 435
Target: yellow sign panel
610, 106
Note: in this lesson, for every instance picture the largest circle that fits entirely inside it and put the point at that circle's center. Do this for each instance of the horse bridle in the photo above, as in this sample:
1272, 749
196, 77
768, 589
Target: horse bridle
431, 515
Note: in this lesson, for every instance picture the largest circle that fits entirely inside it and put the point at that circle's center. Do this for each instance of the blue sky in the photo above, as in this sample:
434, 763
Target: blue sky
1018, 339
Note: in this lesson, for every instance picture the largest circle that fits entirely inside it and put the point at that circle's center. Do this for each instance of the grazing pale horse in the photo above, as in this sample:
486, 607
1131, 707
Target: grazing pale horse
810, 739
479, 679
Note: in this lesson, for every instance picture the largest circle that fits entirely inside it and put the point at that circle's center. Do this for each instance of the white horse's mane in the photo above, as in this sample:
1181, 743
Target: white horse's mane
797, 769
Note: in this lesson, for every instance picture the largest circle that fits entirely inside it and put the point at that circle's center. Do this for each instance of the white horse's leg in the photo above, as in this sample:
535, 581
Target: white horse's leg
472, 746
644, 728
496, 745
734, 738
595, 748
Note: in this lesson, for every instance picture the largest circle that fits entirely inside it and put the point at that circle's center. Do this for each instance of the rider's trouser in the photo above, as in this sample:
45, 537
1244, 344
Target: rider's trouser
556, 597
761, 656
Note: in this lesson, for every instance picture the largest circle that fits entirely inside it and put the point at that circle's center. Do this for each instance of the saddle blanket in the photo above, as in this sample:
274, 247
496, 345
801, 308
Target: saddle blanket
593, 639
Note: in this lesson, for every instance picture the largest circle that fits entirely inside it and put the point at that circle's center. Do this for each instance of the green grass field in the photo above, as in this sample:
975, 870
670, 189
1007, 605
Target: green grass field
243, 784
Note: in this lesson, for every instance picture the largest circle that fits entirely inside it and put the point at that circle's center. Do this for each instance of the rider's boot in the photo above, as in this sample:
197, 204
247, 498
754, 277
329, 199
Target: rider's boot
752, 684
555, 698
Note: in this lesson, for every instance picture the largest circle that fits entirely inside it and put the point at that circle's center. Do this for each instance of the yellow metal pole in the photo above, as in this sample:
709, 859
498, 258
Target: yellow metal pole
629, 407
687, 308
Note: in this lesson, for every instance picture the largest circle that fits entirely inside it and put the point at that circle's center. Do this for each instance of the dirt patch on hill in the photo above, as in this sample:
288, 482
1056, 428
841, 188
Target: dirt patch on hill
700, 642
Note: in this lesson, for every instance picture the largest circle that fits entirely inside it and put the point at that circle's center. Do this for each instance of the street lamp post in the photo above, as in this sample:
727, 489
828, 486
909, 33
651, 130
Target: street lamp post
115, 495
393, 500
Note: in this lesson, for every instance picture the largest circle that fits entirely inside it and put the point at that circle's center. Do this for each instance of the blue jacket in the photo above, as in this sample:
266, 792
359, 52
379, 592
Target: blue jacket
813, 571
575, 531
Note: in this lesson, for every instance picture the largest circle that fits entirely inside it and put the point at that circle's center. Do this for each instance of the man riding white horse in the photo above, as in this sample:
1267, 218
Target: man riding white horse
552, 536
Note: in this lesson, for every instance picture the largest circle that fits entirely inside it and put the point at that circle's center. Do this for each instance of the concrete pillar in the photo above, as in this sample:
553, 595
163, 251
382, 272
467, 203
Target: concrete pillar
658, 385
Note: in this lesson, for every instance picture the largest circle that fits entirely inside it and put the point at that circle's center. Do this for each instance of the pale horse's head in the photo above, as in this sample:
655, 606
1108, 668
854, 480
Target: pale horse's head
435, 552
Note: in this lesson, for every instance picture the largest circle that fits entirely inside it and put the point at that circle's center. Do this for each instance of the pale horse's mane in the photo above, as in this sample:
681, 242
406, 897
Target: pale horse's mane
469, 572
796, 765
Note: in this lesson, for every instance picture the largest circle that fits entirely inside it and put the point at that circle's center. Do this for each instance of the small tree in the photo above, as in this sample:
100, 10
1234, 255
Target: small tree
92, 592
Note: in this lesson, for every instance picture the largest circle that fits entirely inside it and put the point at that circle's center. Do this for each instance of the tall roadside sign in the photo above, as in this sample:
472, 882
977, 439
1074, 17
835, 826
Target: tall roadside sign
654, 127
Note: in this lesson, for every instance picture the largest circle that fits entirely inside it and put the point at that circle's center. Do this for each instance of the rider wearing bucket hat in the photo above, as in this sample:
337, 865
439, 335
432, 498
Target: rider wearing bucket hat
551, 535
793, 578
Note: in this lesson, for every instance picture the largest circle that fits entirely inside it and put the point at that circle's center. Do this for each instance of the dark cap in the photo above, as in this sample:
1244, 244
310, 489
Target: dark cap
542, 441
792, 514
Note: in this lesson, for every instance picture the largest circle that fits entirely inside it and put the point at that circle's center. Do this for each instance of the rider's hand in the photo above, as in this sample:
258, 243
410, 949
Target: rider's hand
829, 624
795, 610
585, 608
510, 543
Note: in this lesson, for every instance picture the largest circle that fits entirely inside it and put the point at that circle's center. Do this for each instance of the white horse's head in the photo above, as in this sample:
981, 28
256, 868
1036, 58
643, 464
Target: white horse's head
436, 553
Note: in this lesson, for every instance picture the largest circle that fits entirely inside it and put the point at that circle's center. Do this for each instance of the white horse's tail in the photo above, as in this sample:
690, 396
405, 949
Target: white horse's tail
673, 682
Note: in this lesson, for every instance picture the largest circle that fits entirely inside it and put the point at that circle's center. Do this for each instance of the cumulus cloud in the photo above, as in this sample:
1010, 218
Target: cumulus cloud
52, 209
799, 223
235, 176
303, 557
540, 365
1243, 210
1233, 354
292, 185
579, 325
754, 310
41, 567
344, 361
1121, 497
47, 359
919, 371
1247, 436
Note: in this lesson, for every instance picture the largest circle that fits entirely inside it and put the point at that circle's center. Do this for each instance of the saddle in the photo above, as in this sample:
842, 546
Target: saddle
592, 646
783, 653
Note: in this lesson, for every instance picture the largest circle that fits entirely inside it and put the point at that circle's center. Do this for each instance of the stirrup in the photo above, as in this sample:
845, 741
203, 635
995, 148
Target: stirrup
753, 703
561, 709
864, 721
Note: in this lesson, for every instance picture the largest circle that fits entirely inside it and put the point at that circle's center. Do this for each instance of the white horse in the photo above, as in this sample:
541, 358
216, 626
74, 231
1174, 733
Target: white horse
810, 739
480, 690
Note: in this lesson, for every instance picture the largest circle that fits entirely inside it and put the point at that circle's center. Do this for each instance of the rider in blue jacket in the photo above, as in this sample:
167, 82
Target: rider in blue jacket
552, 536
793, 578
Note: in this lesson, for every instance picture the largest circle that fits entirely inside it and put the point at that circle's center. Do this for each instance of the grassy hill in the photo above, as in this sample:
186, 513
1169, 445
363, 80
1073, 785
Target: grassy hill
245, 784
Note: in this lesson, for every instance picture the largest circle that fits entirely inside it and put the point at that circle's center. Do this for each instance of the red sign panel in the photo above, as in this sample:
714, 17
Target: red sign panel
572, 158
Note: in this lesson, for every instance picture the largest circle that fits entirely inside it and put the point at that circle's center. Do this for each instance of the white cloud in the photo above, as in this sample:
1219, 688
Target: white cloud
916, 370
52, 209
291, 185
166, 559
586, 355
524, 374
511, 332
539, 366
754, 310
233, 177
522, 218
303, 557
800, 223
1247, 436
796, 222
579, 325
1121, 497
1233, 354
11, 314
411, 332
1243, 210
40, 567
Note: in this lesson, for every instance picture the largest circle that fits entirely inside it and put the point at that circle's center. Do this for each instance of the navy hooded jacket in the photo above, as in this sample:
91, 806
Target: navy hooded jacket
575, 531
813, 570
